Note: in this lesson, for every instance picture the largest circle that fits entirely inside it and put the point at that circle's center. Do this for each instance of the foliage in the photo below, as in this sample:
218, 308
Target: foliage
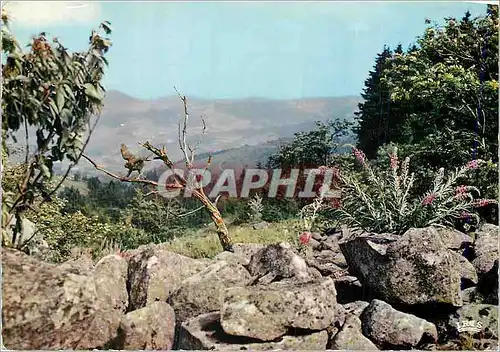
376, 113
256, 208
386, 205
438, 102
54, 93
432, 92
63, 232
315, 216
313, 148
158, 216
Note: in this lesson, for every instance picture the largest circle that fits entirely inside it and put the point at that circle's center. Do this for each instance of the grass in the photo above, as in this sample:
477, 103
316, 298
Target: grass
205, 244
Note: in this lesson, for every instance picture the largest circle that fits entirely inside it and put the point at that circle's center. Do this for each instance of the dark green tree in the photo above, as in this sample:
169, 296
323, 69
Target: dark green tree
376, 114
313, 148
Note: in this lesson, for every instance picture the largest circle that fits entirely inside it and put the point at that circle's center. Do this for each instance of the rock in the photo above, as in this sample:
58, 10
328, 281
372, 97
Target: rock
331, 243
80, 262
267, 312
202, 293
205, 333
331, 257
468, 273
413, 269
349, 289
46, 306
356, 308
486, 261
314, 244
260, 225
476, 318
277, 261
318, 237
246, 250
454, 239
148, 328
488, 286
110, 275
389, 328
154, 274
485, 252
351, 337
232, 258
469, 295
324, 267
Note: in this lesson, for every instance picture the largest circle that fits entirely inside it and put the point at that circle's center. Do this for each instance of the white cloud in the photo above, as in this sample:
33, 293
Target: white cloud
48, 13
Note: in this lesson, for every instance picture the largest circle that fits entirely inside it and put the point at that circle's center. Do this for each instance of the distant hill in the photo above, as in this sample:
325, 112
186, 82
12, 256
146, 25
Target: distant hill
239, 129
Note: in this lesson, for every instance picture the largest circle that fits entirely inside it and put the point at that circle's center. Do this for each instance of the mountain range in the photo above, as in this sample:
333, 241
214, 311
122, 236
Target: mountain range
237, 130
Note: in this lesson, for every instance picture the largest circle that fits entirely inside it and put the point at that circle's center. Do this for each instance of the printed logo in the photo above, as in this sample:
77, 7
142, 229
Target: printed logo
469, 326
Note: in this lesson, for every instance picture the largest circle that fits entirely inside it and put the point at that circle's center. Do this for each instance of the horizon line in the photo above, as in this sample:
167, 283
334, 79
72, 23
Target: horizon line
174, 95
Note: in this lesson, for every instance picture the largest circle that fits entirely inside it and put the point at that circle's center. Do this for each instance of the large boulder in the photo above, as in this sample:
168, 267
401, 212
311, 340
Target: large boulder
477, 319
154, 274
110, 275
389, 328
202, 293
486, 261
205, 333
454, 239
485, 248
276, 262
46, 306
268, 312
356, 308
247, 250
350, 337
413, 269
148, 328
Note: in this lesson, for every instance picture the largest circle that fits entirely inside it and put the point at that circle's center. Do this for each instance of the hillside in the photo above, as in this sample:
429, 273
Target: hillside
240, 128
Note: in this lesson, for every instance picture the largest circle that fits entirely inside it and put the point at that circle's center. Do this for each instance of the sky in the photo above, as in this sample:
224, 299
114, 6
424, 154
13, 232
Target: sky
231, 50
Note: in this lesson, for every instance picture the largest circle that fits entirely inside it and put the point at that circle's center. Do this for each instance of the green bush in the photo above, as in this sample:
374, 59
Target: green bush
384, 203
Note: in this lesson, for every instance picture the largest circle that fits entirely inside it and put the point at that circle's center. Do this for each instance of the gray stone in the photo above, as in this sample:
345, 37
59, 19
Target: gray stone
389, 328
412, 269
483, 317
351, 337
46, 306
277, 261
202, 293
154, 274
267, 312
356, 308
148, 328
205, 333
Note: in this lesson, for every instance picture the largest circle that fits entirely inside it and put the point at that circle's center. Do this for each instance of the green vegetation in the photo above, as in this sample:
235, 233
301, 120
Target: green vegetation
435, 104
57, 94
385, 204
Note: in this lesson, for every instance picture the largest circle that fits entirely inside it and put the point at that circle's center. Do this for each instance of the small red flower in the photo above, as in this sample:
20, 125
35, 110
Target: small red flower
482, 203
429, 199
472, 164
360, 156
336, 203
460, 192
305, 237
394, 161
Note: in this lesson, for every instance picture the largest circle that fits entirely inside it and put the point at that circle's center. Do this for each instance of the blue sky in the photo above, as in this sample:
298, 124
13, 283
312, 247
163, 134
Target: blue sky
239, 49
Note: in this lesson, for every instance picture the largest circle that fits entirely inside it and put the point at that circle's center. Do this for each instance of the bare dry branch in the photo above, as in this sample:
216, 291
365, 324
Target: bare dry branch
120, 178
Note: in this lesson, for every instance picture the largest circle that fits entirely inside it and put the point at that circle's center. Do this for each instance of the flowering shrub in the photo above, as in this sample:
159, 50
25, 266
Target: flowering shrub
385, 204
